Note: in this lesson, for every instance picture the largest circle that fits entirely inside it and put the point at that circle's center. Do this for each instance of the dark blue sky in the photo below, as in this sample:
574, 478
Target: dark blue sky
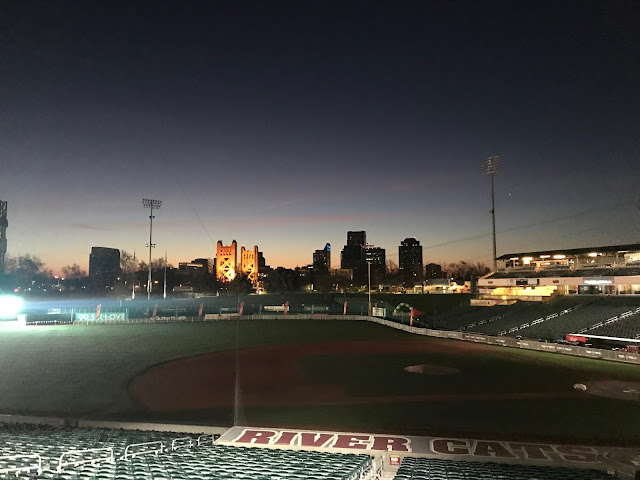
285, 124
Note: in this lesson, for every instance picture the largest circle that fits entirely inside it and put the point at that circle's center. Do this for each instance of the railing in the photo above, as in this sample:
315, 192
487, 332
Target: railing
184, 442
145, 449
204, 439
74, 453
18, 469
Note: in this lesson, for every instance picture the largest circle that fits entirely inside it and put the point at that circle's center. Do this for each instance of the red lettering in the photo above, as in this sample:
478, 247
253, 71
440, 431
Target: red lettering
261, 437
285, 438
352, 441
450, 447
391, 444
491, 449
532, 451
577, 454
314, 439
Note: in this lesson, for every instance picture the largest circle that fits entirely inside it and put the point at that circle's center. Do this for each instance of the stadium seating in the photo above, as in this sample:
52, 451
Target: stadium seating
468, 318
563, 315
167, 456
579, 320
413, 468
524, 313
624, 325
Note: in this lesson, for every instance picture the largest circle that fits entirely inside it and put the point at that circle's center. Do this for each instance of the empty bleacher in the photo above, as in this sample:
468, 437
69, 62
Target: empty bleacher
528, 313
149, 455
467, 318
413, 468
580, 320
571, 314
624, 325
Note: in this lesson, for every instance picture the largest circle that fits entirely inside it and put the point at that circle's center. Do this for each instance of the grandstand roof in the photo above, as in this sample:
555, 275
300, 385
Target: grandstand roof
575, 251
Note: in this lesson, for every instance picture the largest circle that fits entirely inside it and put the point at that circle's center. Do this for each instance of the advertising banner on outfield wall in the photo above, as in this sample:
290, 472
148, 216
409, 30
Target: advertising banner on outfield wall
104, 317
621, 459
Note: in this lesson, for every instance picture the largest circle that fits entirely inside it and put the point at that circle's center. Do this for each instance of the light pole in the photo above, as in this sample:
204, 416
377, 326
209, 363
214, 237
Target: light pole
369, 283
164, 295
133, 278
151, 204
490, 167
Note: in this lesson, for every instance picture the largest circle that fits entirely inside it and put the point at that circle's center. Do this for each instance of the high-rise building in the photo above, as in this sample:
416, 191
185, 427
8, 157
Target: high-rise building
357, 238
352, 256
226, 256
322, 258
410, 259
104, 267
377, 257
262, 264
249, 263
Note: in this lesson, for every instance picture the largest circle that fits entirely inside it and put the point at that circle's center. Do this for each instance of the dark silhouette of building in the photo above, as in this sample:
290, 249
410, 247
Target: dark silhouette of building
410, 260
377, 257
199, 265
104, 267
352, 256
322, 258
433, 270
357, 238
262, 264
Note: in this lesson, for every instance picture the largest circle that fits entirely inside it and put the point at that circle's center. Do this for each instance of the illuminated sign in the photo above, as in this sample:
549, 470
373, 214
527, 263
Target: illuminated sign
598, 281
104, 317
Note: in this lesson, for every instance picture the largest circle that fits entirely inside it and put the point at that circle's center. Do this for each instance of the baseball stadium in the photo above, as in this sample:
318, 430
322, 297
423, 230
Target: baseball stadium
314, 386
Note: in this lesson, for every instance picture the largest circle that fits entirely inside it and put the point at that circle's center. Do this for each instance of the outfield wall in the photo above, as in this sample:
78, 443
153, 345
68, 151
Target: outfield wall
503, 341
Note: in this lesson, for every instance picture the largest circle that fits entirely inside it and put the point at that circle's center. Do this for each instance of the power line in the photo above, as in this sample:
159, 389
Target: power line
195, 212
524, 227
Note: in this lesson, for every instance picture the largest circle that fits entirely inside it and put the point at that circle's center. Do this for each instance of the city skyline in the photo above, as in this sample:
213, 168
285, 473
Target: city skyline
286, 125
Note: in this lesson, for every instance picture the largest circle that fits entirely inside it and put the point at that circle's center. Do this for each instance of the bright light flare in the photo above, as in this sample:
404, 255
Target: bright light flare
10, 306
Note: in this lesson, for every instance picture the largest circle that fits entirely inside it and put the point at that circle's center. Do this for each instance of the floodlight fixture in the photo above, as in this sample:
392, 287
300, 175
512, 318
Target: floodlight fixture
151, 204
490, 165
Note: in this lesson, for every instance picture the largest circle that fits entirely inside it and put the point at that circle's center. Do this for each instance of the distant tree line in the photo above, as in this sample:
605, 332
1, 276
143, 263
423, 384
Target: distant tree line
32, 277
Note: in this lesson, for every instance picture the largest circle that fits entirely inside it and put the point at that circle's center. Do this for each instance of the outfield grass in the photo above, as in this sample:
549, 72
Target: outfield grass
84, 371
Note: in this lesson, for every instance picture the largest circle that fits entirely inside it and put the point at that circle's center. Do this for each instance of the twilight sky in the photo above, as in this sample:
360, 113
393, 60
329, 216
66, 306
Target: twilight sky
285, 124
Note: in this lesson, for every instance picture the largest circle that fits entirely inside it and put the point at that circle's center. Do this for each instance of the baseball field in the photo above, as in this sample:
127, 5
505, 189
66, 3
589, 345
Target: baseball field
328, 374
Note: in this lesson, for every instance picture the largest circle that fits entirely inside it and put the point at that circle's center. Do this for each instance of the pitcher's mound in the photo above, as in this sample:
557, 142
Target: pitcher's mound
431, 369
614, 389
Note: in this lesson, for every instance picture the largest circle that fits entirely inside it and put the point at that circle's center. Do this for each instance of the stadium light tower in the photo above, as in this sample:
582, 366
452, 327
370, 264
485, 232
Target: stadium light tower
490, 167
151, 204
